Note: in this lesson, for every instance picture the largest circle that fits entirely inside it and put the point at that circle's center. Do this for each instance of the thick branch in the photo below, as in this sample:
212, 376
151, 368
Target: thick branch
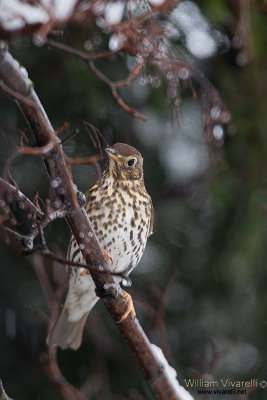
154, 372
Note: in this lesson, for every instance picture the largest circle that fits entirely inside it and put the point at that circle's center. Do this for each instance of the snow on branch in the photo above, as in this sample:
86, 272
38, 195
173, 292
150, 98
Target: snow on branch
171, 374
18, 16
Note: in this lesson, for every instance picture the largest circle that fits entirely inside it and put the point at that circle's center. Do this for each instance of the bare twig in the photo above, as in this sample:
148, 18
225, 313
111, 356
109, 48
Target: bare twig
83, 161
70, 136
37, 262
7, 189
62, 128
112, 85
115, 94
36, 151
96, 131
80, 54
49, 360
16, 95
6, 142
133, 74
28, 239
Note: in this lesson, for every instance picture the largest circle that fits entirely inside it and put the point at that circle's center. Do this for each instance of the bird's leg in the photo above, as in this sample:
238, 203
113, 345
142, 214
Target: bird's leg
84, 272
130, 308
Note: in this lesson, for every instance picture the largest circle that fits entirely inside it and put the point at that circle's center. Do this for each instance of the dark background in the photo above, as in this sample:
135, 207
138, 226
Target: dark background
207, 256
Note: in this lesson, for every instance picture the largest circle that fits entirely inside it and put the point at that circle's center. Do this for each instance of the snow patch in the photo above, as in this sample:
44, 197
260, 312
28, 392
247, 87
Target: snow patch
200, 43
182, 393
114, 12
199, 37
15, 14
156, 2
63, 9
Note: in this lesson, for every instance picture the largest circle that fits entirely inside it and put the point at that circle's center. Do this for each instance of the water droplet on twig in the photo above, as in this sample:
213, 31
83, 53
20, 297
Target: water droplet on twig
218, 132
56, 182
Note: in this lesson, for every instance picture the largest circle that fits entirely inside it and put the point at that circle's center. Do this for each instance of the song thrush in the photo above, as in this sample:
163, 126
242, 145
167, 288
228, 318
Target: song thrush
121, 212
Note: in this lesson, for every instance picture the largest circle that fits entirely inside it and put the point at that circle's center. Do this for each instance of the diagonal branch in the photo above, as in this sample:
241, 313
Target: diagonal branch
155, 369
80, 54
15, 94
7, 189
113, 86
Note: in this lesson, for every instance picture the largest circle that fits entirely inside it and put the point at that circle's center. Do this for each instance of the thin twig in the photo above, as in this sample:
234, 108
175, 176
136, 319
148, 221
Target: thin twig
83, 161
62, 128
16, 95
6, 142
7, 188
133, 75
80, 54
47, 219
70, 136
37, 151
88, 59
115, 94
96, 130
49, 360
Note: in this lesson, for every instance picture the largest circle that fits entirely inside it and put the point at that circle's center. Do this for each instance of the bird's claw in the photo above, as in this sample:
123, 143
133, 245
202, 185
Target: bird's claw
84, 272
130, 308
108, 256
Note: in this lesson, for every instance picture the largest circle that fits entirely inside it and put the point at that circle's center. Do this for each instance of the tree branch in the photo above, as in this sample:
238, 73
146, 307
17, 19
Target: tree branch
155, 370
88, 59
7, 189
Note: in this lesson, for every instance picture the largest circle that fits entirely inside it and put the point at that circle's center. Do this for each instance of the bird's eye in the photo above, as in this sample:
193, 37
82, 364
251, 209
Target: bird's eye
131, 162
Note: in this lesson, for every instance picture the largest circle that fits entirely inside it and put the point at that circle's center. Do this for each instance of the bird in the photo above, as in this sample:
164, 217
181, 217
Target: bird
122, 216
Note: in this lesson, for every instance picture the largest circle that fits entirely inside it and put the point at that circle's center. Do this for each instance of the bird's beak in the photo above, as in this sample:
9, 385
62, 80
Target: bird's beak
112, 154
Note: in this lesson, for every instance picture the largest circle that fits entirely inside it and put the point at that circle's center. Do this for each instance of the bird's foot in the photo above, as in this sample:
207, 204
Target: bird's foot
85, 272
108, 256
130, 308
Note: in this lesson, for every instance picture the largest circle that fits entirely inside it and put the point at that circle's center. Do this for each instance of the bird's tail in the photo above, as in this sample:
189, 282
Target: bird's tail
66, 333
68, 329
81, 298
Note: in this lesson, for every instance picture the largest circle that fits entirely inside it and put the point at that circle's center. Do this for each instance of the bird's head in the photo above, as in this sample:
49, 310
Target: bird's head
124, 163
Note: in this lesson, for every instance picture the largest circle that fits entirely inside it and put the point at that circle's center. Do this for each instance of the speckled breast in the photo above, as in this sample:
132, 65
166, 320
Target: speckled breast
120, 216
